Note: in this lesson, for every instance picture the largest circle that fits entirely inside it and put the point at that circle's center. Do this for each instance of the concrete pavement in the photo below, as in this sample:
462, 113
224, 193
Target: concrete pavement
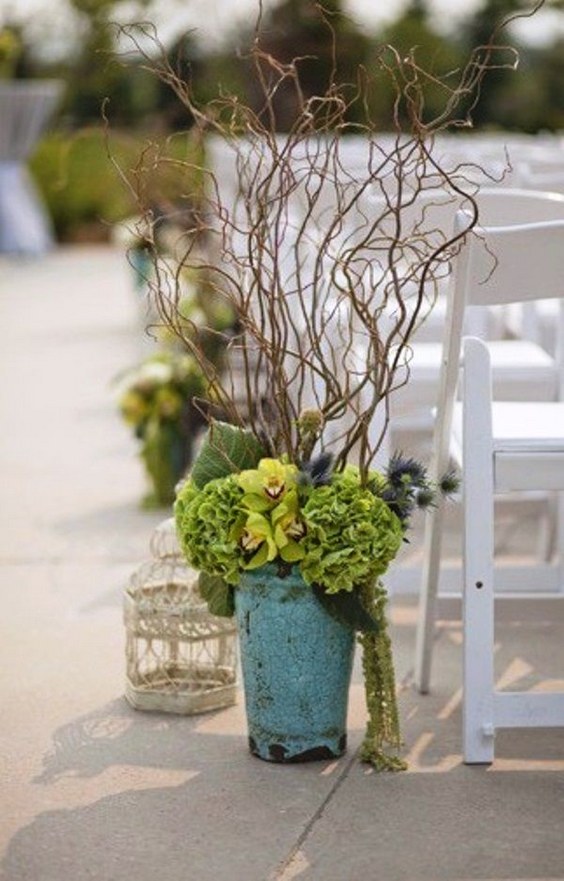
91, 789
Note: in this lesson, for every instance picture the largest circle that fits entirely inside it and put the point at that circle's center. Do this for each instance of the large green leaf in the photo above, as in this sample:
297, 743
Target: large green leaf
347, 608
217, 594
226, 449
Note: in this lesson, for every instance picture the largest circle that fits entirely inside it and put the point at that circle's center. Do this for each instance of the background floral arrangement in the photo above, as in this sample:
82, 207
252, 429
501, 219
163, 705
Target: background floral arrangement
10, 49
156, 400
166, 397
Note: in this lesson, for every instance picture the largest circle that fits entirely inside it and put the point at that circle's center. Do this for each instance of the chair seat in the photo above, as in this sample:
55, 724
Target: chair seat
522, 427
489, 323
521, 371
528, 445
511, 360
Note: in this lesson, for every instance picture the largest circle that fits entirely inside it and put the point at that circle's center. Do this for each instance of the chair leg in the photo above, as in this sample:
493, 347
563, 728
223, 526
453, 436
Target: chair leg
478, 665
428, 597
559, 549
478, 564
546, 542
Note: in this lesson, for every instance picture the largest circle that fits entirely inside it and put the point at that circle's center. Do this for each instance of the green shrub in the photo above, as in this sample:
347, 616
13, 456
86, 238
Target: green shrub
84, 192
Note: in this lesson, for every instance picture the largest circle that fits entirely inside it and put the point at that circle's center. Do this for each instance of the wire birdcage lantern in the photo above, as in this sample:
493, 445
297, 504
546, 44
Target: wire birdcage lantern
179, 657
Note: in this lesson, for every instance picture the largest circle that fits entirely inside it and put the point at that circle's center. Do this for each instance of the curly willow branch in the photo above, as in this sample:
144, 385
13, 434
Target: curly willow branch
328, 242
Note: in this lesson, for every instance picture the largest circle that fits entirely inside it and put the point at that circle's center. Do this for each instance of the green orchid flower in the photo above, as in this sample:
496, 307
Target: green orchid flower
288, 528
269, 482
257, 535
270, 532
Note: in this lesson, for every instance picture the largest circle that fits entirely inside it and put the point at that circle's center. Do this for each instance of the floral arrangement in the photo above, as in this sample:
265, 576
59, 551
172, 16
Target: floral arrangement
240, 510
328, 267
157, 400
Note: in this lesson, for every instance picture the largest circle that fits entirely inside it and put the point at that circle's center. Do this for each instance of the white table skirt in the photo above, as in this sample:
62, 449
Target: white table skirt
25, 108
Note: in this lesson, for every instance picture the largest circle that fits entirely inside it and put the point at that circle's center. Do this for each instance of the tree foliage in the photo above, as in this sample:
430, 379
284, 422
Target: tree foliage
325, 46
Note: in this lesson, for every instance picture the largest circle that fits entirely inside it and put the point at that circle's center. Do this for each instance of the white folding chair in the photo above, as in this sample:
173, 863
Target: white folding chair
505, 447
522, 369
501, 447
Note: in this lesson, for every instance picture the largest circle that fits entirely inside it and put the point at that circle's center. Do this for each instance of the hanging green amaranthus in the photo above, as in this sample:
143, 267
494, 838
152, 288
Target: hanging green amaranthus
383, 737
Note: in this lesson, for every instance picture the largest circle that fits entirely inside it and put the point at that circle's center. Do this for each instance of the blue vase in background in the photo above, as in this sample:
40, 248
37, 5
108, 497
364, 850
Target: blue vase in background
297, 664
141, 263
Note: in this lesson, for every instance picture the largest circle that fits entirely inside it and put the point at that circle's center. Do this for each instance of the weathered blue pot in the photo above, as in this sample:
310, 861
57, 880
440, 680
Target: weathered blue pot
297, 663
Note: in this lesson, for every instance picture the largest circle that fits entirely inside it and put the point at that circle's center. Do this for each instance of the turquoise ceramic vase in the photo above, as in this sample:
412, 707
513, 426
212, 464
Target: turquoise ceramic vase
297, 663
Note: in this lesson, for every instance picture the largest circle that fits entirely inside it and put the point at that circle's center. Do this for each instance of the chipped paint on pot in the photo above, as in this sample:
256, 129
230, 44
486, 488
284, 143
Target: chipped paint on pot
297, 664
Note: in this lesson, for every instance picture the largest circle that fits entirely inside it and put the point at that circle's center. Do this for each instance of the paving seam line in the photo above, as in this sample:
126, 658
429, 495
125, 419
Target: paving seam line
281, 870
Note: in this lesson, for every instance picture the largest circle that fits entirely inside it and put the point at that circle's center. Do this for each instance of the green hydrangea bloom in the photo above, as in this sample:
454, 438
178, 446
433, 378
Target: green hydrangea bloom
205, 523
352, 536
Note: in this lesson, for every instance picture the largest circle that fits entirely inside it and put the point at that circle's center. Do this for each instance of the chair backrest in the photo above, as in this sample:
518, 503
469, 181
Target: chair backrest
434, 210
430, 215
510, 264
506, 207
495, 265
